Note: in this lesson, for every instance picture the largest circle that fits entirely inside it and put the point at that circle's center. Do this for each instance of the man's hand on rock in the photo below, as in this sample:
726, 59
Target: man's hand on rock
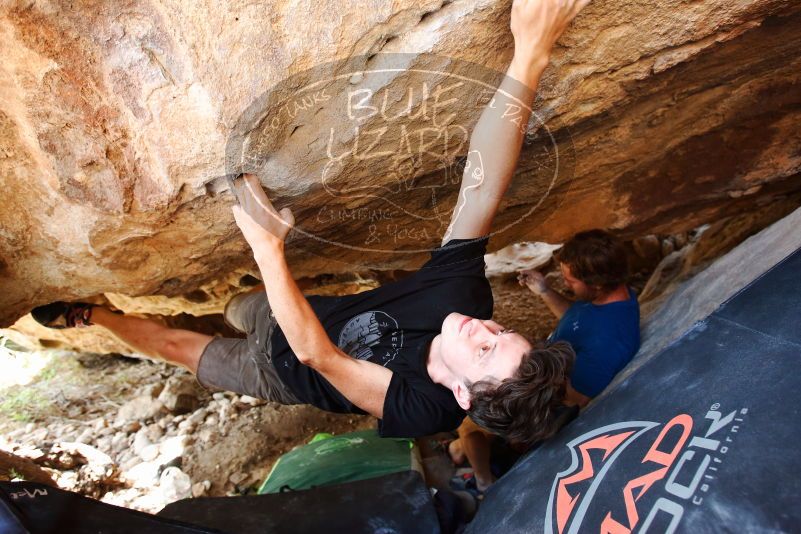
537, 24
261, 224
534, 280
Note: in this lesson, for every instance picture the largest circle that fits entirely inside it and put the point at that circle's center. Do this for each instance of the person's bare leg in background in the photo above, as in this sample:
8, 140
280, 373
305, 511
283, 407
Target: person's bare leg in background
476, 445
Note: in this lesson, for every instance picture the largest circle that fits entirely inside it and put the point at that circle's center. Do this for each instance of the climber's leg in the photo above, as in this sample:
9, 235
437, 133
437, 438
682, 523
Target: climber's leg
181, 347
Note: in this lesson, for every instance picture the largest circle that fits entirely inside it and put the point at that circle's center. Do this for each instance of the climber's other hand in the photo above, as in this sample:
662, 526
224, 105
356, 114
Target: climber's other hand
260, 222
537, 24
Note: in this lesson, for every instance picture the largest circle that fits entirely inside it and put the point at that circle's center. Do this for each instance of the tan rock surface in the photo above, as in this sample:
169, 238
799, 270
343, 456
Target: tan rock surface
114, 121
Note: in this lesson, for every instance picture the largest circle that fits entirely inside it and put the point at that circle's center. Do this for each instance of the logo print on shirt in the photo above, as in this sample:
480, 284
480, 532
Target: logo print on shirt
373, 336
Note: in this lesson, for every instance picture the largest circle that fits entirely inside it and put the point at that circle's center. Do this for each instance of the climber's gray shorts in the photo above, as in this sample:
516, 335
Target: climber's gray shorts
245, 366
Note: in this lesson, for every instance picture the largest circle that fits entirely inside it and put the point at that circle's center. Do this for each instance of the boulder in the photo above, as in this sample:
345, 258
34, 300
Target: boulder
120, 123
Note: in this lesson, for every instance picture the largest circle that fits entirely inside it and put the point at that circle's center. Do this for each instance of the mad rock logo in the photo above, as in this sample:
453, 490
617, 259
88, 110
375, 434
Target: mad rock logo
648, 473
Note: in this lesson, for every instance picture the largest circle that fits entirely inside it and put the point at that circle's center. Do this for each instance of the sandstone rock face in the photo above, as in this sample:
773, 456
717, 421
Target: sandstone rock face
120, 121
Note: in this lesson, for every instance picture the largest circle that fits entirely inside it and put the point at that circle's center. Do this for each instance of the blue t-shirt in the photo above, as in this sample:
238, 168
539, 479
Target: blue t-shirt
605, 339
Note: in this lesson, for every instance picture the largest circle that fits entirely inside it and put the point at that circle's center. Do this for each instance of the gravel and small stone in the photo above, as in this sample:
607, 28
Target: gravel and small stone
167, 440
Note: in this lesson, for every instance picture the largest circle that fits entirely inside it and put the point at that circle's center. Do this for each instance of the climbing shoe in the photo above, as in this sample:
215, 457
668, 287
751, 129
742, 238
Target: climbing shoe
64, 314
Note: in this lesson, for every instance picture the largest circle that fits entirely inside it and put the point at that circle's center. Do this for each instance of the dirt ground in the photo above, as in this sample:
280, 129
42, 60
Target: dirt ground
521, 310
255, 440
77, 398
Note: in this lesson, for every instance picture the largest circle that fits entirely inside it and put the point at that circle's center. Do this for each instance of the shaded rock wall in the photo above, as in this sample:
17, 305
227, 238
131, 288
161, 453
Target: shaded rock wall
115, 118
666, 320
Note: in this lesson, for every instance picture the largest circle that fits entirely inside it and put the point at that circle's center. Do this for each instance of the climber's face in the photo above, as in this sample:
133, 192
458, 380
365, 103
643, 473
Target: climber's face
480, 349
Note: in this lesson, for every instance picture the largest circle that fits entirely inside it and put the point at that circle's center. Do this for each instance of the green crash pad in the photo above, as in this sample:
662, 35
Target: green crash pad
330, 460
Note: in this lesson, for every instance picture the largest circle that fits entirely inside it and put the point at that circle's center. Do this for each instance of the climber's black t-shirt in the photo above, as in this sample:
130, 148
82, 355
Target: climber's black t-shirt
393, 326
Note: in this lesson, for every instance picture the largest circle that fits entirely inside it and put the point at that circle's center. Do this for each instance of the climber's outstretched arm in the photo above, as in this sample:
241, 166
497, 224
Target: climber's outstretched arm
497, 137
363, 383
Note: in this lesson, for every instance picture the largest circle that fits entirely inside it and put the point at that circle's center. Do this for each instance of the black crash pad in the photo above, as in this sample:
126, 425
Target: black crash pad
704, 437
28, 507
397, 503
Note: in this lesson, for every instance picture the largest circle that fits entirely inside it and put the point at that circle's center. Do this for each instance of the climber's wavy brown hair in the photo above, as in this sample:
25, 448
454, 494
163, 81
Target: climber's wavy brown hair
597, 258
523, 408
